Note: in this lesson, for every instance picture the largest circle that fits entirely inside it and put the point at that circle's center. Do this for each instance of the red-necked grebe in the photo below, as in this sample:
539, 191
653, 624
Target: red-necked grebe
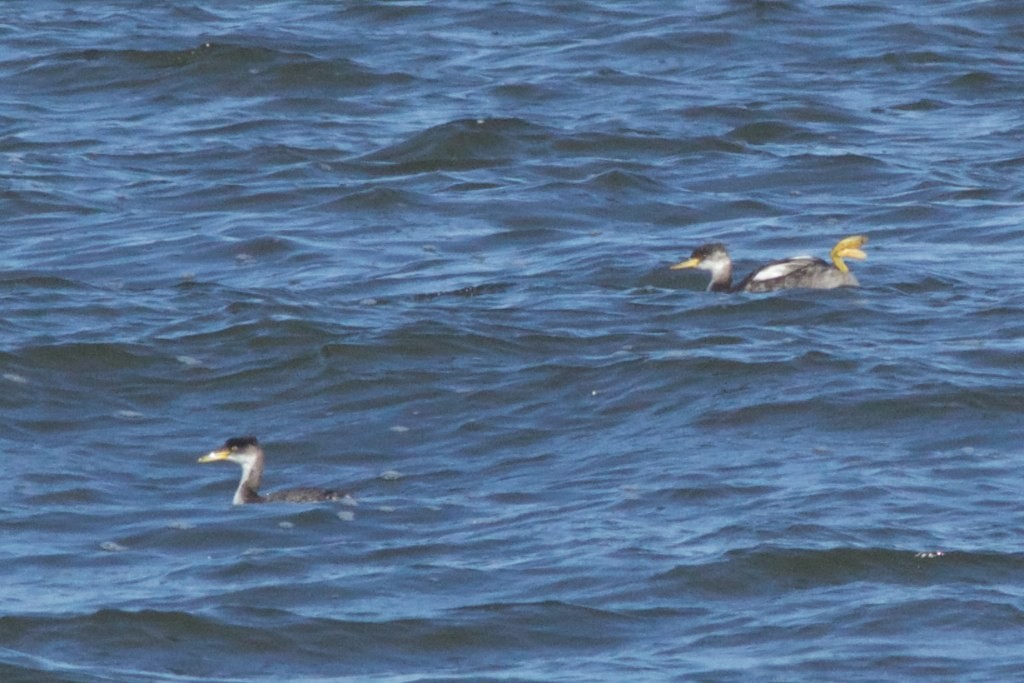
797, 271
246, 451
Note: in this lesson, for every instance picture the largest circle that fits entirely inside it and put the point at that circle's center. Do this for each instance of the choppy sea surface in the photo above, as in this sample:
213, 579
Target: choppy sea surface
421, 250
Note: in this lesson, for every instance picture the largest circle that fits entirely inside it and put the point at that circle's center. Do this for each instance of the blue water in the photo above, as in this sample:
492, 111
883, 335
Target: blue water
421, 250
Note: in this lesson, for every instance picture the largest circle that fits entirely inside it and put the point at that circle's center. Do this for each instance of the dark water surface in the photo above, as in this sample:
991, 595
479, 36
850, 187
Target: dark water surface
420, 249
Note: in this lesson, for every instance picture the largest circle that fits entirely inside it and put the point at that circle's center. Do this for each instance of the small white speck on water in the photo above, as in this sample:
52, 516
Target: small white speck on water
399, 429
17, 379
112, 546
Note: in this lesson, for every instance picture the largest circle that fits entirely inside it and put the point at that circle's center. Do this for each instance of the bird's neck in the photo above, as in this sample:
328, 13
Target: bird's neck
245, 495
249, 485
721, 278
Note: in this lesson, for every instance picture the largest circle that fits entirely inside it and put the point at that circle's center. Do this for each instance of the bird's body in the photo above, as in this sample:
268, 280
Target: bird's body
805, 272
246, 451
795, 272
